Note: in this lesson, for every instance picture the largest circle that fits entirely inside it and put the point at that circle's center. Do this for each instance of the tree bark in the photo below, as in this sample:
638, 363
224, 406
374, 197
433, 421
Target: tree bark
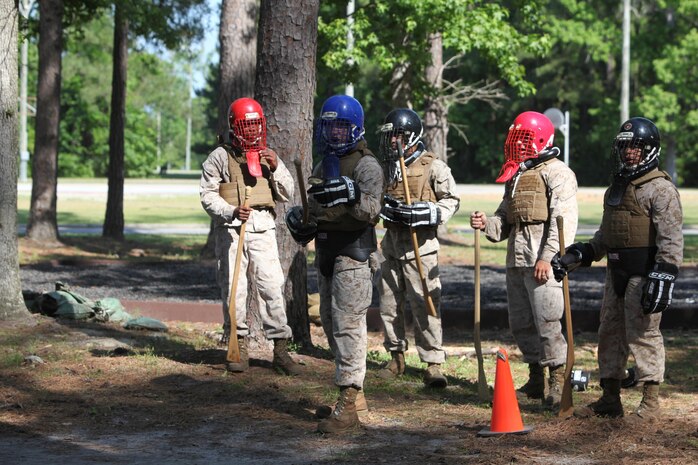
114, 218
436, 111
238, 55
11, 302
285, 87
42, 225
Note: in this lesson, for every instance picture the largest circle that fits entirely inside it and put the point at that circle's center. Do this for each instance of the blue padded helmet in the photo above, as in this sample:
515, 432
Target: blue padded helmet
340, 125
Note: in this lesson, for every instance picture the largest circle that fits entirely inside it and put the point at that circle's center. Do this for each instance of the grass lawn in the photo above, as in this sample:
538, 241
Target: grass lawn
590, 201
179, 205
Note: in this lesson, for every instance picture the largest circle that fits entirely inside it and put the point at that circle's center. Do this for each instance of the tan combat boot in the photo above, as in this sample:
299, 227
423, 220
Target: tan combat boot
556, 379
433, 377
282, 360
324, 411
609, 405
648, 410
344, 416
535, 386
244, 363
395, 367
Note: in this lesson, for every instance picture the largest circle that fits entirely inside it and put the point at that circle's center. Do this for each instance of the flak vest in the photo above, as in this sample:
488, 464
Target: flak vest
417, 183
529, 199
233, 192
339, 233
629, 234
327, 218
628, 225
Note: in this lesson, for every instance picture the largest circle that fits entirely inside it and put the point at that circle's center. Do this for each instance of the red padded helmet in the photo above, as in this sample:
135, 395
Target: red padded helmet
529, 134
248, 126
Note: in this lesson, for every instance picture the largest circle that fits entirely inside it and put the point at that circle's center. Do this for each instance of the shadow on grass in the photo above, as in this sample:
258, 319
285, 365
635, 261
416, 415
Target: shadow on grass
90, 248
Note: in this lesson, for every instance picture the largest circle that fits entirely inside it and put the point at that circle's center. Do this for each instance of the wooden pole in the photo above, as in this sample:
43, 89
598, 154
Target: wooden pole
415, 244
566, 403
233, 348
482, 390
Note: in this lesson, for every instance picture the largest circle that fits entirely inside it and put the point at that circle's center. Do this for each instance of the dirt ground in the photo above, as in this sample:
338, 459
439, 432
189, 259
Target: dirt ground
98, 393
108, 395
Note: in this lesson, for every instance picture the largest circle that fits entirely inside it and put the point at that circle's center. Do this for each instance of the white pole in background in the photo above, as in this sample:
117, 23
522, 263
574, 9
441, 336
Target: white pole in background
25, 7
566, 132
187, 161
159, 139
349, 90
625, 80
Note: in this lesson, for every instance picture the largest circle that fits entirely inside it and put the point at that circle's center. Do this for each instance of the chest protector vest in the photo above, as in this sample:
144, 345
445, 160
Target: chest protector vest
233, 192
529, 199
627, 225
417, 181
339, 233
338, 218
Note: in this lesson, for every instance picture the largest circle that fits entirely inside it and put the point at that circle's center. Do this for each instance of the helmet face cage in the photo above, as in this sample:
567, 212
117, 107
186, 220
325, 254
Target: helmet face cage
248, 126
530, 133
636, 148
250, 134
402, 124
389, 136
335, 136
340, 126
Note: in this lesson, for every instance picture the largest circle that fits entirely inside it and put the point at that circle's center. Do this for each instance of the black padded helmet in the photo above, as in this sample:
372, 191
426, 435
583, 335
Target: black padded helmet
400, 123
636, 133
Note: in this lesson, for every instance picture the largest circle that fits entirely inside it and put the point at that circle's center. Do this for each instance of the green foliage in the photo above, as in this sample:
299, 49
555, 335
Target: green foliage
170, 23
156, 86
392, 35
558, 53
141, 145
670, 98
544, 53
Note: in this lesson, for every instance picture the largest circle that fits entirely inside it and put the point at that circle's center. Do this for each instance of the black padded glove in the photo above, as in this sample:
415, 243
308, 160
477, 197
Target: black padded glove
578, 254
656, 294
301, 233
416, 215
389, 212
336, 191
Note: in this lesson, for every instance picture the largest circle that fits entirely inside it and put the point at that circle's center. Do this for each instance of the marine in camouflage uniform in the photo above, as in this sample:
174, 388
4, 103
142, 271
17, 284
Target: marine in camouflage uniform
433, 202
225, 174
539, 188
641, 237
344, 204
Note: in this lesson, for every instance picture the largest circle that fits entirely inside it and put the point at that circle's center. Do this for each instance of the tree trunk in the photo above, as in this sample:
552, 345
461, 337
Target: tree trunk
114, 218
436, 111
238, 55
11, 303
285, 87
42, 224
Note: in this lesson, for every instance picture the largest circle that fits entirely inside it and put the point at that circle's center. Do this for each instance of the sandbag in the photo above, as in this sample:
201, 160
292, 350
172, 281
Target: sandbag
145, 322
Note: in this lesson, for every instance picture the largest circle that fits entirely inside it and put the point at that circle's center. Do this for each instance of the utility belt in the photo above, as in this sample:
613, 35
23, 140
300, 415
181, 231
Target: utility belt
627, 262
357, 245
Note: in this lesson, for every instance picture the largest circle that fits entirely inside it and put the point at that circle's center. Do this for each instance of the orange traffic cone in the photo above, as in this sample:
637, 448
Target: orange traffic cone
506, 417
